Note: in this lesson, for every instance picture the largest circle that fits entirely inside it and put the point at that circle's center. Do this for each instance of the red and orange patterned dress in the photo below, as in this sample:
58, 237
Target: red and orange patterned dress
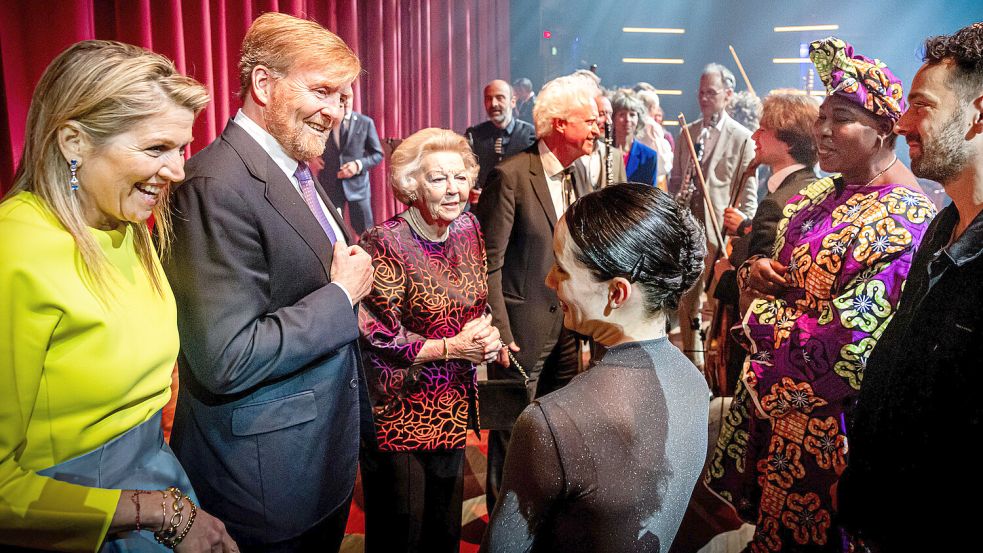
422, 290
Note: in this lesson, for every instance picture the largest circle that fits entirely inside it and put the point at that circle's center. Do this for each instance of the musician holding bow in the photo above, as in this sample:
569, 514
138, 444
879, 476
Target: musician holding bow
723, 149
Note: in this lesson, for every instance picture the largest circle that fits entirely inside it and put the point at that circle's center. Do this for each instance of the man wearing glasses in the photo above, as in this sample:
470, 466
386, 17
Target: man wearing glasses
523, 198
724, 150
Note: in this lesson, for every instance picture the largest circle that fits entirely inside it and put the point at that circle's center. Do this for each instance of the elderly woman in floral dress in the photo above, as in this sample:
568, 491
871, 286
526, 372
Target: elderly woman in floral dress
841, 255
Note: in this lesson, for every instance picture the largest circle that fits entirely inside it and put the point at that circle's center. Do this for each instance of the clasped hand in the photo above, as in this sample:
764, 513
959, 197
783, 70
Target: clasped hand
478, 341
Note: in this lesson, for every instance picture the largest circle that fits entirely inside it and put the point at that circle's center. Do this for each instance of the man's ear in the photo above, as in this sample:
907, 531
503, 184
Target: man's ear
560, 125
976, 106
73, 142
262, 79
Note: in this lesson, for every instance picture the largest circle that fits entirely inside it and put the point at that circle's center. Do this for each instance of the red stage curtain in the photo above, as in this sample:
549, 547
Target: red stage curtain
425, 60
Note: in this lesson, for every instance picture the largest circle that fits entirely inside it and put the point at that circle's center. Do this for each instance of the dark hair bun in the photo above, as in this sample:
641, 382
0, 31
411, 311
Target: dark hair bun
638, 232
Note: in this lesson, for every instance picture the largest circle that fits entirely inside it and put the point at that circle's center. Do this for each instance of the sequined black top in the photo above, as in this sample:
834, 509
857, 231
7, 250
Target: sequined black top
609, 462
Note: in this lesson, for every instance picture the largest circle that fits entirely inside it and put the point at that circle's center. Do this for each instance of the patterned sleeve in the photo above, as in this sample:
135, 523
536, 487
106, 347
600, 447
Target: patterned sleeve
861, 268
381, 314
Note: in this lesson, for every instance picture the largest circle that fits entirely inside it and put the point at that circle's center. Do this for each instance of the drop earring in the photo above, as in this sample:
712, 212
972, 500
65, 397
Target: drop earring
73, 166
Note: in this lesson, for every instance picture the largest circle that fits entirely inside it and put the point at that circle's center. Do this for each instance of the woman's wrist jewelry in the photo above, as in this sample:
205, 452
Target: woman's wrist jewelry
446, 352
191, 521
135, 498
163, 510
169, 537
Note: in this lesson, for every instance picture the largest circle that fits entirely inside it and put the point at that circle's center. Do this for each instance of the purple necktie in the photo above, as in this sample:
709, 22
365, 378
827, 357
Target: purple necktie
303, 175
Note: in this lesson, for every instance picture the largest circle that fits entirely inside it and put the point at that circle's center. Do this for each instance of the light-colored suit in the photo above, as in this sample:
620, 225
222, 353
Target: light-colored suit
722, 168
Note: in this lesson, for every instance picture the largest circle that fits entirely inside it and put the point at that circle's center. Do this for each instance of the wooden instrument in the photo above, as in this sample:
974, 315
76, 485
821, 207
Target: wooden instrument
609, 156
707, 200
718, 344
740, 66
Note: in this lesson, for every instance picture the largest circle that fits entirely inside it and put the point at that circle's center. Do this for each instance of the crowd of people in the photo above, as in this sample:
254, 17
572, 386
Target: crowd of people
553, 244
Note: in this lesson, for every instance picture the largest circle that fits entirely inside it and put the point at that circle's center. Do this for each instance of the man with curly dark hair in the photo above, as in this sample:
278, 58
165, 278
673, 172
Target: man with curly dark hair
918, 412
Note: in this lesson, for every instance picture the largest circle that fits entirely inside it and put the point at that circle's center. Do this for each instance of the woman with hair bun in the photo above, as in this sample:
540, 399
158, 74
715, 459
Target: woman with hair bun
608, 462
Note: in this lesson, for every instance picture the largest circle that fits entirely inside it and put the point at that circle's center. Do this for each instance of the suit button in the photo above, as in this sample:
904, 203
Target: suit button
353, 383
552, 309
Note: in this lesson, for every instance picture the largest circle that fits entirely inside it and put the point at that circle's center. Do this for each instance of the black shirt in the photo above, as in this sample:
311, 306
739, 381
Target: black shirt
919, 411
516, 137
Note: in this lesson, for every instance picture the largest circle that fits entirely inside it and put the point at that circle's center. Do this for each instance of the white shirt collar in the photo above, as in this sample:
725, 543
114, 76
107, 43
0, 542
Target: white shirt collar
775, 180
268, 143
551, 165
719, 127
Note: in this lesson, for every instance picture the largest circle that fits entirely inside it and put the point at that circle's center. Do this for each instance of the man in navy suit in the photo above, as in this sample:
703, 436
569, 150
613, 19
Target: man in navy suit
272, 393
351, 152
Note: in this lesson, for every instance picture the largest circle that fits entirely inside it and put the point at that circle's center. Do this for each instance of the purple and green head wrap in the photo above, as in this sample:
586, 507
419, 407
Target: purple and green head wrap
855, 77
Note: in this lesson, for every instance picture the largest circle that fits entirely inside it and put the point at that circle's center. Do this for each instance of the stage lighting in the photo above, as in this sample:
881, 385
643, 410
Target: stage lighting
671, 61
661, 30
798, 28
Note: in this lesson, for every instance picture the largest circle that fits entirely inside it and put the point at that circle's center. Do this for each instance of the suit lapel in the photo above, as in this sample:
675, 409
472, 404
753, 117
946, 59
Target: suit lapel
581, 180
280, 193
537, 179
351, 131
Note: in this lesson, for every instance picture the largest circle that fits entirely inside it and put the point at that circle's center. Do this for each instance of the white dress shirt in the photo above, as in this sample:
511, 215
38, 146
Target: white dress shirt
289, 166
554, 179
776, 178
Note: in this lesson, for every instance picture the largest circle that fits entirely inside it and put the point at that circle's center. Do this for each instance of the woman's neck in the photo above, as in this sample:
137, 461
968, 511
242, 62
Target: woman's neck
625, 143
869, 172
427, 226
638, 329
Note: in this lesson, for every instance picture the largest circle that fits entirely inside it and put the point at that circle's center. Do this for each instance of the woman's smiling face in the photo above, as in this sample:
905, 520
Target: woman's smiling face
123, 179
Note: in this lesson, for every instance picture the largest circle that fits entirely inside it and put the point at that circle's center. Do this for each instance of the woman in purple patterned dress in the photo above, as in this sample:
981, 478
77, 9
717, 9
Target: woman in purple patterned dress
841, 256
424, 328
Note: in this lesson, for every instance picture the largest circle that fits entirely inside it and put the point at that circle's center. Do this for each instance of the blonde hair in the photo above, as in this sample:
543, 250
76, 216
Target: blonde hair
281, 42
106, 88
406, 162
559, 98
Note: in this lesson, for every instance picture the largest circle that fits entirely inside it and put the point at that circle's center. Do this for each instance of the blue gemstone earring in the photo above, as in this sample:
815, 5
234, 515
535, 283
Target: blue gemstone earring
74, 181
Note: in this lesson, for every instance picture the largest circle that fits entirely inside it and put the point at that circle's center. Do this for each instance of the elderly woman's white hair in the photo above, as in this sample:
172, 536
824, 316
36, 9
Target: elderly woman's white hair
558, 98
406, 162
650, 98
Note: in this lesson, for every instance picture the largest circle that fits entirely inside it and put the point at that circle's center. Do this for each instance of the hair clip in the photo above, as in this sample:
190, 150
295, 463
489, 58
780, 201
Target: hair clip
636, 271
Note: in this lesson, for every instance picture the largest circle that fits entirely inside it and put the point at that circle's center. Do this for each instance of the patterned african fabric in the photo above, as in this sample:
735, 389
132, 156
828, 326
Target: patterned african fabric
783, 445
864, 81
422, 290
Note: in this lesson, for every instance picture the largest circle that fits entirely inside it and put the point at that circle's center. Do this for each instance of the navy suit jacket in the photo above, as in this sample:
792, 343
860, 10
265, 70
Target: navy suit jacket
267, 420
362, 144
642, 163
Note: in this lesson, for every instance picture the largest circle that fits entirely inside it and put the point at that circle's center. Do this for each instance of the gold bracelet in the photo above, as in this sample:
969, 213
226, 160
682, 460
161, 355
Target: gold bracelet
445, 348
163, 511
166, 537
191, 520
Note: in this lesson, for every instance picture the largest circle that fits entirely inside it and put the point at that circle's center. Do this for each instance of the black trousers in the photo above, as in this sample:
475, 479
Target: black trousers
412, 500
557, 365
324, 537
